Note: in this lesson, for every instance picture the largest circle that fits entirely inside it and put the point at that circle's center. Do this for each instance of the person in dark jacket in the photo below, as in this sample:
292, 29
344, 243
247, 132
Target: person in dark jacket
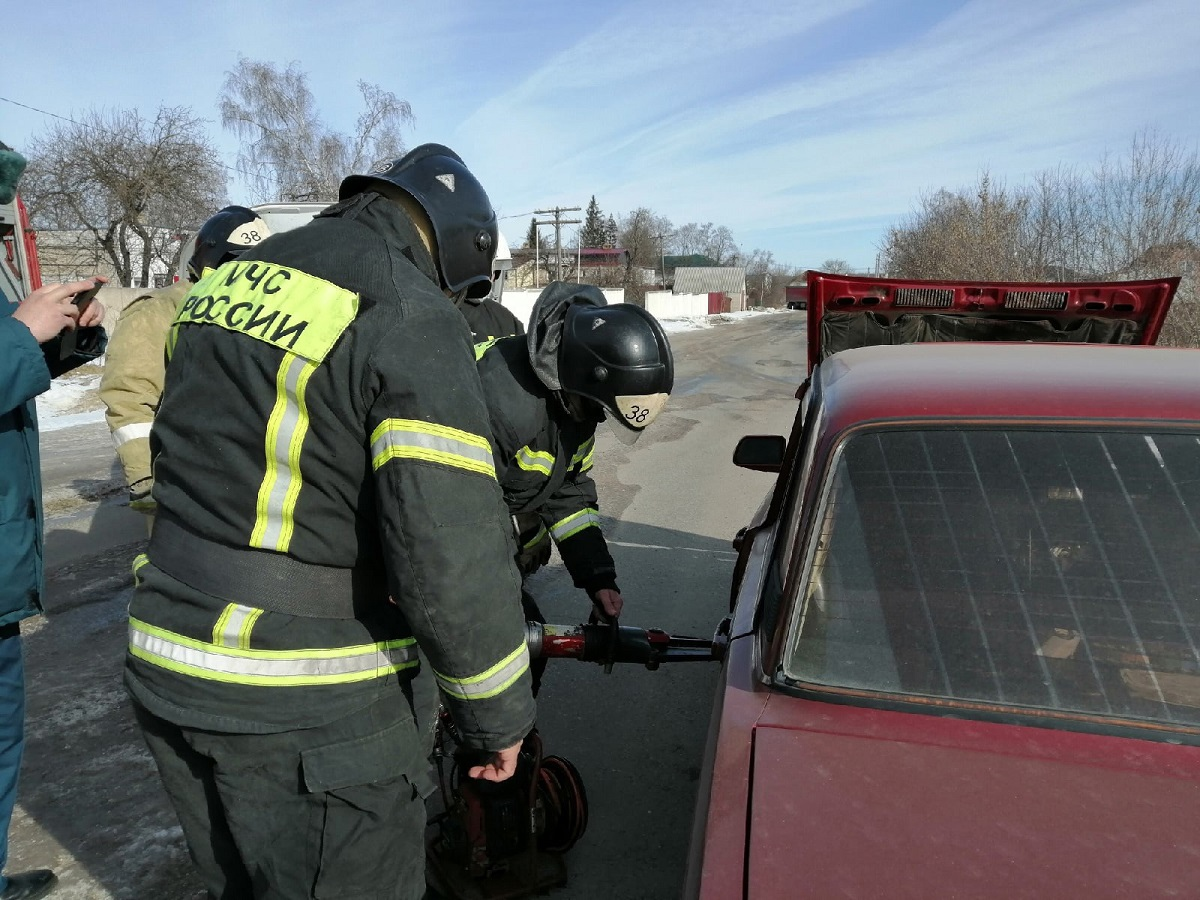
327, 507
582, 362
30, 355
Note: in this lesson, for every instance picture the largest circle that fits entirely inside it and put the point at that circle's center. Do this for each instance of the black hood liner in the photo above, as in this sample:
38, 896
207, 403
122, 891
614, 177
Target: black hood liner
844, 331
389, 221
544, 335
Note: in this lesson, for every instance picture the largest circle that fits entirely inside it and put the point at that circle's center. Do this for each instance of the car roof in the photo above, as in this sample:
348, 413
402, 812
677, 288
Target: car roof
1015, 382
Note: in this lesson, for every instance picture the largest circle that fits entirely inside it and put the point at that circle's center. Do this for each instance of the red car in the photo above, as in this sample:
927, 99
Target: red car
964, 653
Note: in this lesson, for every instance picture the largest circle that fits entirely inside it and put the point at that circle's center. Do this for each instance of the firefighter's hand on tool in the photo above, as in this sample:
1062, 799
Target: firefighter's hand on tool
609, 602
48, 310
501, 767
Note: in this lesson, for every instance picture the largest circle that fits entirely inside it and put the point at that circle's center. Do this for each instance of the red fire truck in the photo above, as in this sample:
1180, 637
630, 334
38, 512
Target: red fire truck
19, 272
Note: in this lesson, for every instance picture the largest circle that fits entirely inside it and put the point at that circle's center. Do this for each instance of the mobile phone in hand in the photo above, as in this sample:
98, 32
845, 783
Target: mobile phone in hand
68, 340
83, 298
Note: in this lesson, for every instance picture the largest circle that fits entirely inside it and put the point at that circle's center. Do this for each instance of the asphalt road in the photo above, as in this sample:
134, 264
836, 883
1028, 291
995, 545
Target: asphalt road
90, 805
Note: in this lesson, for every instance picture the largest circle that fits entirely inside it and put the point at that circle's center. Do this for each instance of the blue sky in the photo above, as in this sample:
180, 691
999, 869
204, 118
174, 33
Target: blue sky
804, 127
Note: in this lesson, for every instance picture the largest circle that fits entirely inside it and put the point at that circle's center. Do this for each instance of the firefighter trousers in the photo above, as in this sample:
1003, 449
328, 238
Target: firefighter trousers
333, 811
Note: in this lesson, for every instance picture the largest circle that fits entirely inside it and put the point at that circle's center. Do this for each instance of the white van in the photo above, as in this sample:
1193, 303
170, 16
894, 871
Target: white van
278, 216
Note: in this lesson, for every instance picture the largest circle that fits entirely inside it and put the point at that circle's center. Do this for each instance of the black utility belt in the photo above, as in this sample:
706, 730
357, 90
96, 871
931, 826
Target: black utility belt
263, 579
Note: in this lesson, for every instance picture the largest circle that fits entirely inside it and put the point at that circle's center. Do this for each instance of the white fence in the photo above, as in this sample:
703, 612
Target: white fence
665, 305
520, 303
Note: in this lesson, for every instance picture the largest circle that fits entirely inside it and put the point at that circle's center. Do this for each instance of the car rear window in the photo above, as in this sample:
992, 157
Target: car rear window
1026, 568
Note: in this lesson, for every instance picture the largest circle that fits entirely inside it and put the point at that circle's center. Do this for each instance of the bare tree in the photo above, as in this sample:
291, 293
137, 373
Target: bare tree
760, 275
638, 235
132, 184
714, 241
691, 239
837, 267
287, 150
721, 247
1136, 215
975, 233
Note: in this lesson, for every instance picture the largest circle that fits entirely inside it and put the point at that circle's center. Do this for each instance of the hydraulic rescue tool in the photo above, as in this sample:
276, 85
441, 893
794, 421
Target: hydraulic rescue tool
499, 841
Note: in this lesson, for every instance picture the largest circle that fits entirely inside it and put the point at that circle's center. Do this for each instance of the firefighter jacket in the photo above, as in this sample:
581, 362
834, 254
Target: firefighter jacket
132, 385
327, 497
543, 456
488, 319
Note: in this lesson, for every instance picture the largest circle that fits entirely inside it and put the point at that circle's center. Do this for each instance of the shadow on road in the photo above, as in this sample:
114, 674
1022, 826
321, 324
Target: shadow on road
636, 736
86, 517
92, 806
89, 802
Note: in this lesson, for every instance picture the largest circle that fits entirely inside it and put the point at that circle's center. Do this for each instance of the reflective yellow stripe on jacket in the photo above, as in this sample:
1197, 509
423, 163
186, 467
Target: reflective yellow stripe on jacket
535, 461
427, 442
275, 510
575, 523
138, 561
234, 626
269, 668
583, 456
488, 683
541, 535
483, 346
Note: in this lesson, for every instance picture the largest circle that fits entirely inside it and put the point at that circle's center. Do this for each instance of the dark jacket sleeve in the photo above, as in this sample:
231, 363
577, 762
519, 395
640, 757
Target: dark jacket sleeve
70, 351
488, 320
572, 516
446, 532
23, 370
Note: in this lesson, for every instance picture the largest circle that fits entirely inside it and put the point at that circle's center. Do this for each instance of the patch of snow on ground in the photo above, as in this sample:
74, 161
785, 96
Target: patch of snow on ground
693, 323
696, 323
69, 402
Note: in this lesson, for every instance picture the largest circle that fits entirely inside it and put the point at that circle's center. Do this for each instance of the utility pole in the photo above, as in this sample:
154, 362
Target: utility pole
662, 255
558, 222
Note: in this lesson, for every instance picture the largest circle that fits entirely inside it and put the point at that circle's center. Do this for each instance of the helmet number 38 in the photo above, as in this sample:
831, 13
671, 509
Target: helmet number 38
248, 234
641, 409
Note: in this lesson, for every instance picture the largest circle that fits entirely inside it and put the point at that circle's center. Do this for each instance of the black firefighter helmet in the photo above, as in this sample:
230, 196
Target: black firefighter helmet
619, 357
463, 220
225, 236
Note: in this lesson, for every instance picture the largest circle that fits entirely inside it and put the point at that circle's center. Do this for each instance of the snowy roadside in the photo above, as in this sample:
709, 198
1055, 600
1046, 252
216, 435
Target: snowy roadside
74, 398
696, 323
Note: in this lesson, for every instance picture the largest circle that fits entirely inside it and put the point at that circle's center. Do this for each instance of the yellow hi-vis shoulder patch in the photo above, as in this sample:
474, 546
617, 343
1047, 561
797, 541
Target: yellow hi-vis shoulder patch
284, 307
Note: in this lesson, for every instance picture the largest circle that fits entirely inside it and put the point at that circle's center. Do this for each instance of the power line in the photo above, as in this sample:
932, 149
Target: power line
46, 112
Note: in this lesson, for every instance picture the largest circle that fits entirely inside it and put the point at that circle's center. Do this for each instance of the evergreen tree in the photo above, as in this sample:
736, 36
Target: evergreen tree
594, 226
531, 236
610, 232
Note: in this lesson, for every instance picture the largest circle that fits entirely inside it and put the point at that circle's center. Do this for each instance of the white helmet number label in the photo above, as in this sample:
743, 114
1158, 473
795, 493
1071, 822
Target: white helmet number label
250, 234
640, 410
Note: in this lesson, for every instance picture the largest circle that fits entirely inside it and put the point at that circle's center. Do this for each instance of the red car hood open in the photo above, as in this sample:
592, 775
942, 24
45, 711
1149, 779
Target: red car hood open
852, 802
847, 311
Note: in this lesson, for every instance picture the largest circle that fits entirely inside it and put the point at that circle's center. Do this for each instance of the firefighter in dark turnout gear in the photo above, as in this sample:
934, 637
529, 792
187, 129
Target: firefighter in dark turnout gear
327, 506
580, 363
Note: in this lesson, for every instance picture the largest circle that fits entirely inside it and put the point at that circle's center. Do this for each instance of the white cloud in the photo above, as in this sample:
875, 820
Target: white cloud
1011, 86
803, 126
